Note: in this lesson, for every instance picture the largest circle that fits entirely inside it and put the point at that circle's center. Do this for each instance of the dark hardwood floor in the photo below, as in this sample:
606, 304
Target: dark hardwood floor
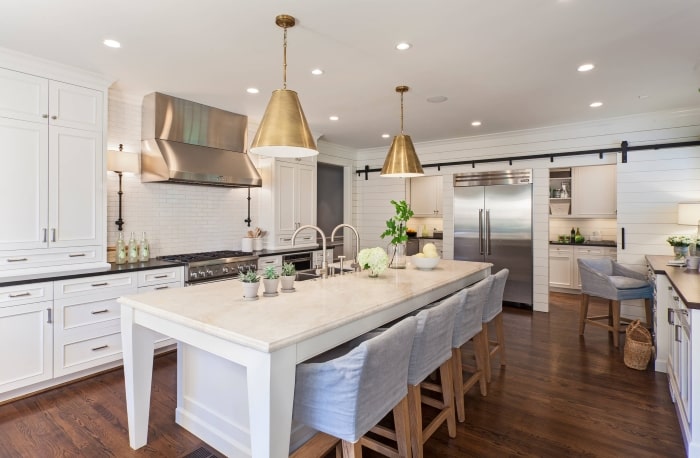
559, 396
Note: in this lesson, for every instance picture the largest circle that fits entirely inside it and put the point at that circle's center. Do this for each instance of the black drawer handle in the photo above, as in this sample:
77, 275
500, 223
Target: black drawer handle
161, 287
20, 294
100, 284
16, 259
97, 312
100, 348
161, 276
77, 255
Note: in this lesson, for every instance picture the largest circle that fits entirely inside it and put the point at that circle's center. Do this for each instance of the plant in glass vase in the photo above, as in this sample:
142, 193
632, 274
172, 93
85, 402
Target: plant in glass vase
680, 244
396, 229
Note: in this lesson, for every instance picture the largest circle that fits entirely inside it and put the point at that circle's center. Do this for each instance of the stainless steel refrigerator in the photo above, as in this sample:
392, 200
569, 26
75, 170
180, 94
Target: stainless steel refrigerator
493, 223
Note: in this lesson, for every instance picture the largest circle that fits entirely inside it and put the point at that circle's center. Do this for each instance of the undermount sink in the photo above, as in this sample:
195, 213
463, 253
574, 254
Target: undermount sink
310, 274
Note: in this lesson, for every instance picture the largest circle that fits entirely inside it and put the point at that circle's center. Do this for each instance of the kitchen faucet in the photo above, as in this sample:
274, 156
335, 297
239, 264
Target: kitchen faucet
324, 265
356, 264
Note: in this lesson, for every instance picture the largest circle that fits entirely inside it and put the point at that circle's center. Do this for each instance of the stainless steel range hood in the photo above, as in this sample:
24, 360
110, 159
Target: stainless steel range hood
191, 143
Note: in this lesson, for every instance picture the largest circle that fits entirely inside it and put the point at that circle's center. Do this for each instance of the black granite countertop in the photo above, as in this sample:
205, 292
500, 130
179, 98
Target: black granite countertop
609, 243
65, 275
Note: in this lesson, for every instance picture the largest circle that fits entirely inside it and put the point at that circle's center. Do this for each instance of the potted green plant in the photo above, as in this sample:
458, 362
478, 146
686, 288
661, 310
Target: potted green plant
251, 284
289, 273
396, 229
271, 280
373, 260
680, 244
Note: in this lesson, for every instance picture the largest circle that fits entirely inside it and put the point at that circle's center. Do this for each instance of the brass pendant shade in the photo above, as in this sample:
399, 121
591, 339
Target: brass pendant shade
283, 130
402, 160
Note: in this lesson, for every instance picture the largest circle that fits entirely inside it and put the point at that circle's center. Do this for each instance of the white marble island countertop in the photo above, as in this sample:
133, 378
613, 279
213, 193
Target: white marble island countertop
315, 307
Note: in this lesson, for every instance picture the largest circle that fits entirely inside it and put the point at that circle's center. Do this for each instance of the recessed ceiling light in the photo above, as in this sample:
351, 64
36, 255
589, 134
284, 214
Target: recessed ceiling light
403, 46
437, 99
476, 123
112, 43
333, 118
252, 90
586, 67
386, 135
596, 104
317, 71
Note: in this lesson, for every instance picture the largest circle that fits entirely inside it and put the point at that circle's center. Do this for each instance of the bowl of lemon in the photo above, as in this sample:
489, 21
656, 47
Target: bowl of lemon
428, 259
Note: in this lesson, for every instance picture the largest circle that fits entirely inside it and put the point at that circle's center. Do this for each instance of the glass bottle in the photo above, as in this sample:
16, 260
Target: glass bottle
133, 249
144, 248
121, 249
573, 236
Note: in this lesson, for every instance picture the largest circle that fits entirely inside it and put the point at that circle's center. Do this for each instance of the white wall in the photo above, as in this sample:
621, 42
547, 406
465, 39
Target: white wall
372, 196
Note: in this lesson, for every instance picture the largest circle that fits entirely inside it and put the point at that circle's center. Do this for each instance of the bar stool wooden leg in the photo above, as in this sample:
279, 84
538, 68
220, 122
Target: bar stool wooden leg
583, 314
402, 425
647, 309
352, 450
448, 401
485, 338
616, 323
481, 348
416, 421
459, 382
500, 335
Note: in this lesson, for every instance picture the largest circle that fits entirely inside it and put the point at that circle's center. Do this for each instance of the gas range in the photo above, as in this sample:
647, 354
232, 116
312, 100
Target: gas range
213, 265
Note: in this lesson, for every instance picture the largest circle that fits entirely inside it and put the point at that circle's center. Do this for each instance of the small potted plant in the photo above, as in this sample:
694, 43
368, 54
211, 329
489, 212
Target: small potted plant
271, 280
374, 260
251, 284
396, 229
680, 244
289, 273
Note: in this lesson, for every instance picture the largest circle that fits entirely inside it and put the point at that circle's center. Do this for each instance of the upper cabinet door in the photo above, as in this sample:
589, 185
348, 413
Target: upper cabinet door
24, 178
306, 212
75, 166
426, 196
595, 191
76, 107
24, 97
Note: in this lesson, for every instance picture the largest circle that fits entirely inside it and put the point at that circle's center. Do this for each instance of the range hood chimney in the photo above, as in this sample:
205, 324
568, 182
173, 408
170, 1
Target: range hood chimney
191, 143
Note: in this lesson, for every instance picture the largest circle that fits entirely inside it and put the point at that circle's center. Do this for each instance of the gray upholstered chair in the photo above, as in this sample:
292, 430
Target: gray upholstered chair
468, 327
348, 390
493, 313
609, 280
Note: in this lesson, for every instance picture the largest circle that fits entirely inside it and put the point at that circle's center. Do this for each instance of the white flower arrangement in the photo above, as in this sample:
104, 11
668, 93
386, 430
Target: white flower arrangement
375, 259
680, 240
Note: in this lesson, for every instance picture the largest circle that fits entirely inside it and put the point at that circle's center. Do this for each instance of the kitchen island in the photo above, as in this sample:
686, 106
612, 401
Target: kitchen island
266, 338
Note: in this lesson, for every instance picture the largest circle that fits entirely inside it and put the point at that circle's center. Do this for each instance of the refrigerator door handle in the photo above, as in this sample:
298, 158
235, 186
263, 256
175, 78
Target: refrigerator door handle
488, 232
481, 231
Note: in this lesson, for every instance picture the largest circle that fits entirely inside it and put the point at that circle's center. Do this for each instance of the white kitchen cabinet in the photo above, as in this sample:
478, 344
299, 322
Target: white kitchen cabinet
288, 200
426, 196
594, 191
51, 182
87, 329
26, 332
561, 266
563, 263
156, 280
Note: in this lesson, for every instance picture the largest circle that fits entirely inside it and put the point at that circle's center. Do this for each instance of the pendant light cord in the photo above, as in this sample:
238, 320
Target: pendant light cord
402, 113
284, 67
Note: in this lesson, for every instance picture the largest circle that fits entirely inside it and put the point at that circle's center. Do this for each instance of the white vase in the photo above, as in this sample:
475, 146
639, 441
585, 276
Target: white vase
270, 285
250, 290
681, 252
287, 282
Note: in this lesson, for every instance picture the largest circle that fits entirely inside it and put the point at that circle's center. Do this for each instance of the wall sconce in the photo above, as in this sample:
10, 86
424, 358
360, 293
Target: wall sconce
122, 162
689, 215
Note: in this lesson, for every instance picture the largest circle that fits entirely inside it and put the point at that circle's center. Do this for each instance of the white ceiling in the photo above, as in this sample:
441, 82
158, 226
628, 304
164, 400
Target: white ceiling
509, 63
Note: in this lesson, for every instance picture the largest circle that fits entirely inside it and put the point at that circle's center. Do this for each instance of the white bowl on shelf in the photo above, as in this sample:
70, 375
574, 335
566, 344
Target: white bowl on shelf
424, 263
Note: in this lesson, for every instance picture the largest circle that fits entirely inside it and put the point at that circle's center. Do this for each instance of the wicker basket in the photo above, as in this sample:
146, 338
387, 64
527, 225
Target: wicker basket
638, 346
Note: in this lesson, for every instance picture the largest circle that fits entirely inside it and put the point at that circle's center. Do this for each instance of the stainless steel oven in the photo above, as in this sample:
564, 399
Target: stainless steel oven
301, 261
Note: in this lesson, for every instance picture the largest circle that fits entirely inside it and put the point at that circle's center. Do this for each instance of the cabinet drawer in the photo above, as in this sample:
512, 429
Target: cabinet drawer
87, 353
156, 277
171, 285
33, 259
25, 294
275, 261
109, 286
590, 251
86, 313
561, 250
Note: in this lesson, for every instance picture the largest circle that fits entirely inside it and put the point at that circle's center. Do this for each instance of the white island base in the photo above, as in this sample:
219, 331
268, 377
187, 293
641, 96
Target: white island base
236, 382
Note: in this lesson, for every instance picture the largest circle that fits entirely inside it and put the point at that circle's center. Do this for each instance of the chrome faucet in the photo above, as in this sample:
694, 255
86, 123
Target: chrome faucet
356, 264
324, 265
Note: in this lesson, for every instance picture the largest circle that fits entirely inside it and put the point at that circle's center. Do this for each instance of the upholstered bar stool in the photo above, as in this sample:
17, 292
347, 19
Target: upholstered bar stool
431, 351
493, 313
346, 391
609, 280
468, 327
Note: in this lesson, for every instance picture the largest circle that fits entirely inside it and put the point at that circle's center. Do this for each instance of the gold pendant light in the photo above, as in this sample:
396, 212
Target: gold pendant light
283, 131
402, 160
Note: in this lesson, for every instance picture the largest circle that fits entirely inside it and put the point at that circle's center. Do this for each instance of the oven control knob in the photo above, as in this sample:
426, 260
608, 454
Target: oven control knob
194, 275
224, 269
210, 273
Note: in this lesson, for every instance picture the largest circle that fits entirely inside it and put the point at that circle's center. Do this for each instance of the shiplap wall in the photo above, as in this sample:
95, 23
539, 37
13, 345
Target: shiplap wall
372, 196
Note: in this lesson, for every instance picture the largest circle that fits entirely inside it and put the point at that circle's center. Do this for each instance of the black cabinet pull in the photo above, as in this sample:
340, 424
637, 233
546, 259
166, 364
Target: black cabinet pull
623, 238
100, 348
